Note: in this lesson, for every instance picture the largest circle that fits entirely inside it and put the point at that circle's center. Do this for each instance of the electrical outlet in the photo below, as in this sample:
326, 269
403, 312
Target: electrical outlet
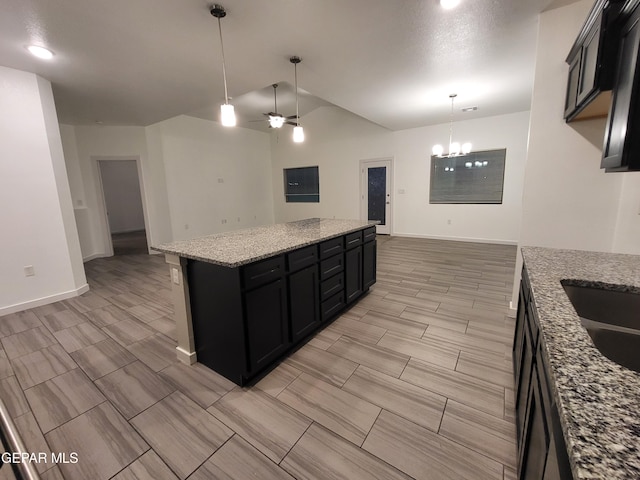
401, 191
186, 226
175, 275
224, 221
238, 218
29, 271
221, 180
449, 221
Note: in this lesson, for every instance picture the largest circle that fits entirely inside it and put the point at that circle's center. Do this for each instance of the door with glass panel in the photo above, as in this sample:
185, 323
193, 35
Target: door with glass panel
375, 195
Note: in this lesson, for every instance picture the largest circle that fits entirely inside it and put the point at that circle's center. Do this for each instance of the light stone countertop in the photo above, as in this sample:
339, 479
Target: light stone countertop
240, 247
598, 400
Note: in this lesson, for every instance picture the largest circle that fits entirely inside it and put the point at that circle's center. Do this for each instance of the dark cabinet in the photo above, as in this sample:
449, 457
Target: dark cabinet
353, 274
621, 150
246, 318
542, 453
304, 304
267, 323
592, 64
369, 254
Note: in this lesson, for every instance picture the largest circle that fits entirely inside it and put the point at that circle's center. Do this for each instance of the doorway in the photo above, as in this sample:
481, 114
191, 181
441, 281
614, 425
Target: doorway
375, 193
123, 206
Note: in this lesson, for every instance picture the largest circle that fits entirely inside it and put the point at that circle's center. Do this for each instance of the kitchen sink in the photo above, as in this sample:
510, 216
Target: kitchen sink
612, 318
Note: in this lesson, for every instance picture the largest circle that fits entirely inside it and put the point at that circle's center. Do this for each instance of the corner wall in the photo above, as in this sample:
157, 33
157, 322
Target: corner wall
568, 202
37, 216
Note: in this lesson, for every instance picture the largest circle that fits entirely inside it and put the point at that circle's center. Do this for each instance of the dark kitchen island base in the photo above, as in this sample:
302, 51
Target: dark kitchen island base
247, 318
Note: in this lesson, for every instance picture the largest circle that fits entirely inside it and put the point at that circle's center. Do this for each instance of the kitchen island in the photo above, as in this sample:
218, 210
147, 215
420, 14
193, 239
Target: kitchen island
245, 298
578, 412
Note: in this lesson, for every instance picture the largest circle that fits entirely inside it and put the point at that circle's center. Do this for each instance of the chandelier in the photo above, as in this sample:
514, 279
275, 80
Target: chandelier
455, 149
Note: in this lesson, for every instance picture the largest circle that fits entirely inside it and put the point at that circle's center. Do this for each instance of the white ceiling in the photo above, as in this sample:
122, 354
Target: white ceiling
393, 62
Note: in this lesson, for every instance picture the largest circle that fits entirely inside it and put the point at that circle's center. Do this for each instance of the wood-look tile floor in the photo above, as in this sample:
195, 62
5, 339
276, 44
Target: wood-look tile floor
414, 381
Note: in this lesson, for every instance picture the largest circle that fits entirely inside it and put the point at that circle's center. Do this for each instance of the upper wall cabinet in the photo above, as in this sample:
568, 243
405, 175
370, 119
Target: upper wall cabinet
592, 62
621, 151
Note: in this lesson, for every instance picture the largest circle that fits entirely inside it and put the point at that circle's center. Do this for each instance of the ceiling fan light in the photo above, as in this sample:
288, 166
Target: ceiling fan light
227, 115
466, 148
276, 121
449, 4
437, 150
298, 134
454, 148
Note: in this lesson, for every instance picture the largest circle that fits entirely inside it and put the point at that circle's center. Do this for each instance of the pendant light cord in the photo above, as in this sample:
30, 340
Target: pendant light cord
224, 70
295, 74
451, 124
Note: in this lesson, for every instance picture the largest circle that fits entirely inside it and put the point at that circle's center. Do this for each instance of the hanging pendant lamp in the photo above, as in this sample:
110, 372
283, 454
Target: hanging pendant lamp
455, 150
227, 113
298, 132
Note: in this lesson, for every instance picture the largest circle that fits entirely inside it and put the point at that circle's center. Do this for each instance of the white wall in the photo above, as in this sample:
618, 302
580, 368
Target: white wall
92, 143
627, 234
38, 227
217, 178
122, 196
414, 216
568, 201
336, 141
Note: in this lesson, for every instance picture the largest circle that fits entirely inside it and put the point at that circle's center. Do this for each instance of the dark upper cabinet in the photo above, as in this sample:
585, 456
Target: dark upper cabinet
621, 150
592, 64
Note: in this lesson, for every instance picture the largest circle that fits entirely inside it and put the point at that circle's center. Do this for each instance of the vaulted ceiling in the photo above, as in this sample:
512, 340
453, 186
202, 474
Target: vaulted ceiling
393, 62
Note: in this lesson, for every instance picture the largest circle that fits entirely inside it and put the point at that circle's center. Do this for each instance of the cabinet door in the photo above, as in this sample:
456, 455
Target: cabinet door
518, 338
353, 274
368, 264
572, 85
304, 306
267, 324
536, 440
589, 62
621, 143
524, 381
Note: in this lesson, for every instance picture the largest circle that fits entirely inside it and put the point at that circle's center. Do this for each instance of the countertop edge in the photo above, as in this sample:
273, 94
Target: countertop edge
596, 398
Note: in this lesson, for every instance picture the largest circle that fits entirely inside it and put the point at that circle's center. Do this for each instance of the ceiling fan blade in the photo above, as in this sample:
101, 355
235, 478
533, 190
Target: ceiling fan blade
292, 117
291, 123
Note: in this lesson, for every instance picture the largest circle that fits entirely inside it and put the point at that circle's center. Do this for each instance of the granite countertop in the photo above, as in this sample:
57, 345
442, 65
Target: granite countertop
598, 400
239, 247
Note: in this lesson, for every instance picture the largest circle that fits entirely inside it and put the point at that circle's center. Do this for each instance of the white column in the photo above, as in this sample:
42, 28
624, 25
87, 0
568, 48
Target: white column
186, 349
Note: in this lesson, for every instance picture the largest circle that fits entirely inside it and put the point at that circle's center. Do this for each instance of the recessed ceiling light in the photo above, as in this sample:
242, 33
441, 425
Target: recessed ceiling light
40, 52
449, 4
470, 109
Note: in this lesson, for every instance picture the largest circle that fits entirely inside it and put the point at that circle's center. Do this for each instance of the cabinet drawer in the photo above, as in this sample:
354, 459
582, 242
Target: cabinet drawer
265, 271
332, 286
331, 247
369, 234
301, 258
331, 266
332, 306
353, 240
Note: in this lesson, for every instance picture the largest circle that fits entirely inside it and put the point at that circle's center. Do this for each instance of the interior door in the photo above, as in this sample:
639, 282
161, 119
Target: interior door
376, 194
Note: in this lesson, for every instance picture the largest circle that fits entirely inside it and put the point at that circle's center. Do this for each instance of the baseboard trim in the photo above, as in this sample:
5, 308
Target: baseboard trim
188, 358
93, 257
18, 307
457, 239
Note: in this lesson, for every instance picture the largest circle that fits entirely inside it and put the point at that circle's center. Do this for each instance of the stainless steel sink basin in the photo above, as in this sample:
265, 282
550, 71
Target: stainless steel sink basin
612, 318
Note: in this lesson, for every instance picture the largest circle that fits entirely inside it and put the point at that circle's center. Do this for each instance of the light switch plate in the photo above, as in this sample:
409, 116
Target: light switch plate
175, 276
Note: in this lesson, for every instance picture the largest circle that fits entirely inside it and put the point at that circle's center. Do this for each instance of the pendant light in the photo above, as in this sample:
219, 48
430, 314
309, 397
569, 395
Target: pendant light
298, 132
227, 113
455, 150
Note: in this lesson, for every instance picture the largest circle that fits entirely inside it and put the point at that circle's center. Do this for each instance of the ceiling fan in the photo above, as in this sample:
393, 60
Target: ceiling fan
275, 119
